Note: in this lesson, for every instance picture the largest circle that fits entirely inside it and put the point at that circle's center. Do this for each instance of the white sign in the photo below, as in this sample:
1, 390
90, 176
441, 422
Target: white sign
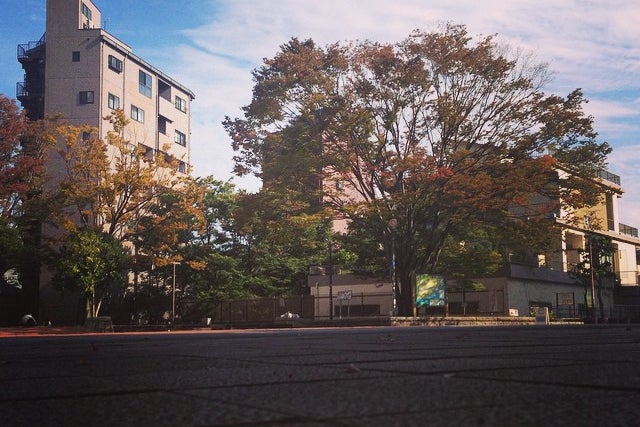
344, 295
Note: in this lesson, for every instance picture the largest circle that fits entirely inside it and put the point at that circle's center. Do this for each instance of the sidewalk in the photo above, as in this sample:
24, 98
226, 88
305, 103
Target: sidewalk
534, 375
42, 330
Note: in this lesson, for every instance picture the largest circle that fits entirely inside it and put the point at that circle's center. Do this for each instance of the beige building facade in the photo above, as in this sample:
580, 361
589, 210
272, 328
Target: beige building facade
88, 73
82, 72
523, 286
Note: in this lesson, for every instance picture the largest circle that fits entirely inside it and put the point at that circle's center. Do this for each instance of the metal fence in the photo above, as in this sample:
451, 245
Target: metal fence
263, 309
302, 306
626, 313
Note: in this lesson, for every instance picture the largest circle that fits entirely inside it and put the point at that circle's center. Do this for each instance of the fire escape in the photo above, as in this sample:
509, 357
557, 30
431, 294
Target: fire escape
30, 93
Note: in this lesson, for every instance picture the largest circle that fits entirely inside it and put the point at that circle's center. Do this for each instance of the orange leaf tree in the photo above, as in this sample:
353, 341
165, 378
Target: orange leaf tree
132, 193
436, 131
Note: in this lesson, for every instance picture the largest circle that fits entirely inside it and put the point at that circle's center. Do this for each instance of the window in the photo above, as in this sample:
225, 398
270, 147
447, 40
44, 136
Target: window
180, 138
86, 136
115, 64
181, 104
86, 97
86, 11
164, 90
137, 114
75, 56
144, 81
113, 102
182, 167
162, 125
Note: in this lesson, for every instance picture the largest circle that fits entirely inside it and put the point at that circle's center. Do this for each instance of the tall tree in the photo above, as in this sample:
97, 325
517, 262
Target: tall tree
133, 193
434, 131
595, 271
22, 206
94, 263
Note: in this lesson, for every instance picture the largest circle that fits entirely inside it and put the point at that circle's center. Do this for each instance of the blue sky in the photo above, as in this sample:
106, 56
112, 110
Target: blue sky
212, 45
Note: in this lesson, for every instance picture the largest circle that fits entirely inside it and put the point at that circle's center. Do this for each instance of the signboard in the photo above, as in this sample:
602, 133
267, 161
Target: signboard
430, 291
344, 295
564, 298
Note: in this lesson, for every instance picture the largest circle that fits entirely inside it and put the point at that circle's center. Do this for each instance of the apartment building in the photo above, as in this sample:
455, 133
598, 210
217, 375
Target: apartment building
79, 70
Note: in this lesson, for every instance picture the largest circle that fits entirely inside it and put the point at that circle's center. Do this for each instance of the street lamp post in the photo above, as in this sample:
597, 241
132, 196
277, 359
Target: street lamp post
173, 295
393, 224
593, 281
330, 280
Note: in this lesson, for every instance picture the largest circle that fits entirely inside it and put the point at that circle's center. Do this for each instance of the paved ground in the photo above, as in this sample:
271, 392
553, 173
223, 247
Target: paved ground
585, 375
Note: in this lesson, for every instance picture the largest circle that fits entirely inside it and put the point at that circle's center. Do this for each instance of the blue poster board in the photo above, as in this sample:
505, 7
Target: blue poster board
430, 291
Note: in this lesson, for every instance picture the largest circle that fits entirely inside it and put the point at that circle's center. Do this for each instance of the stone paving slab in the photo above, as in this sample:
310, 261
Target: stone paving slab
583, 375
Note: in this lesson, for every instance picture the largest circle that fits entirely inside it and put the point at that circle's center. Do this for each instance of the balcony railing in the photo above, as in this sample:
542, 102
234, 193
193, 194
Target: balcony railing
25, 48
628, 230
21, 90
608, 176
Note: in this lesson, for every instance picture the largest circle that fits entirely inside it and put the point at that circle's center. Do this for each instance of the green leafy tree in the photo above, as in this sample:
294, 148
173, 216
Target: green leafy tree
94, 263
468, 254
434, 131
595, 272
277, 239
10, 246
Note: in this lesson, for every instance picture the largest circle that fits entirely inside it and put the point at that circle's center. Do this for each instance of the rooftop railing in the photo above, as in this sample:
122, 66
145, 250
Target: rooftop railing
608, 176
628, 230
25, 48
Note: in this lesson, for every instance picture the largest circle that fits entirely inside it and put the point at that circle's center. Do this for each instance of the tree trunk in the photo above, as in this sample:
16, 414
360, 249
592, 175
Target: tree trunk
406, 299
30, 269
600, 301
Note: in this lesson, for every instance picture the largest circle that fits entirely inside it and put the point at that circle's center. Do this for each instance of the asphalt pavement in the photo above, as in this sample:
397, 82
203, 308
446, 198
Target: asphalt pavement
579, 375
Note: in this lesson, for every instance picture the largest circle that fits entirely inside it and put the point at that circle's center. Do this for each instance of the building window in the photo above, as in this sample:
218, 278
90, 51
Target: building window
75, 56
181, 104
164, 90
113, 102
137, 114
115, 64
144, 81
162, 125
180, 138
86, 11
86, 136
86, 97
182, 167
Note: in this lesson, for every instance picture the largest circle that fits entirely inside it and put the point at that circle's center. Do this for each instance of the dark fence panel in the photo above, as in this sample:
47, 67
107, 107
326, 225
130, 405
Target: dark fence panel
264, 309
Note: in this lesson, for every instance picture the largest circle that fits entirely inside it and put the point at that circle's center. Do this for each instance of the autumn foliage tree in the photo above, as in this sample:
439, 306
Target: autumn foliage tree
22, 206
434, 131
134, 194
